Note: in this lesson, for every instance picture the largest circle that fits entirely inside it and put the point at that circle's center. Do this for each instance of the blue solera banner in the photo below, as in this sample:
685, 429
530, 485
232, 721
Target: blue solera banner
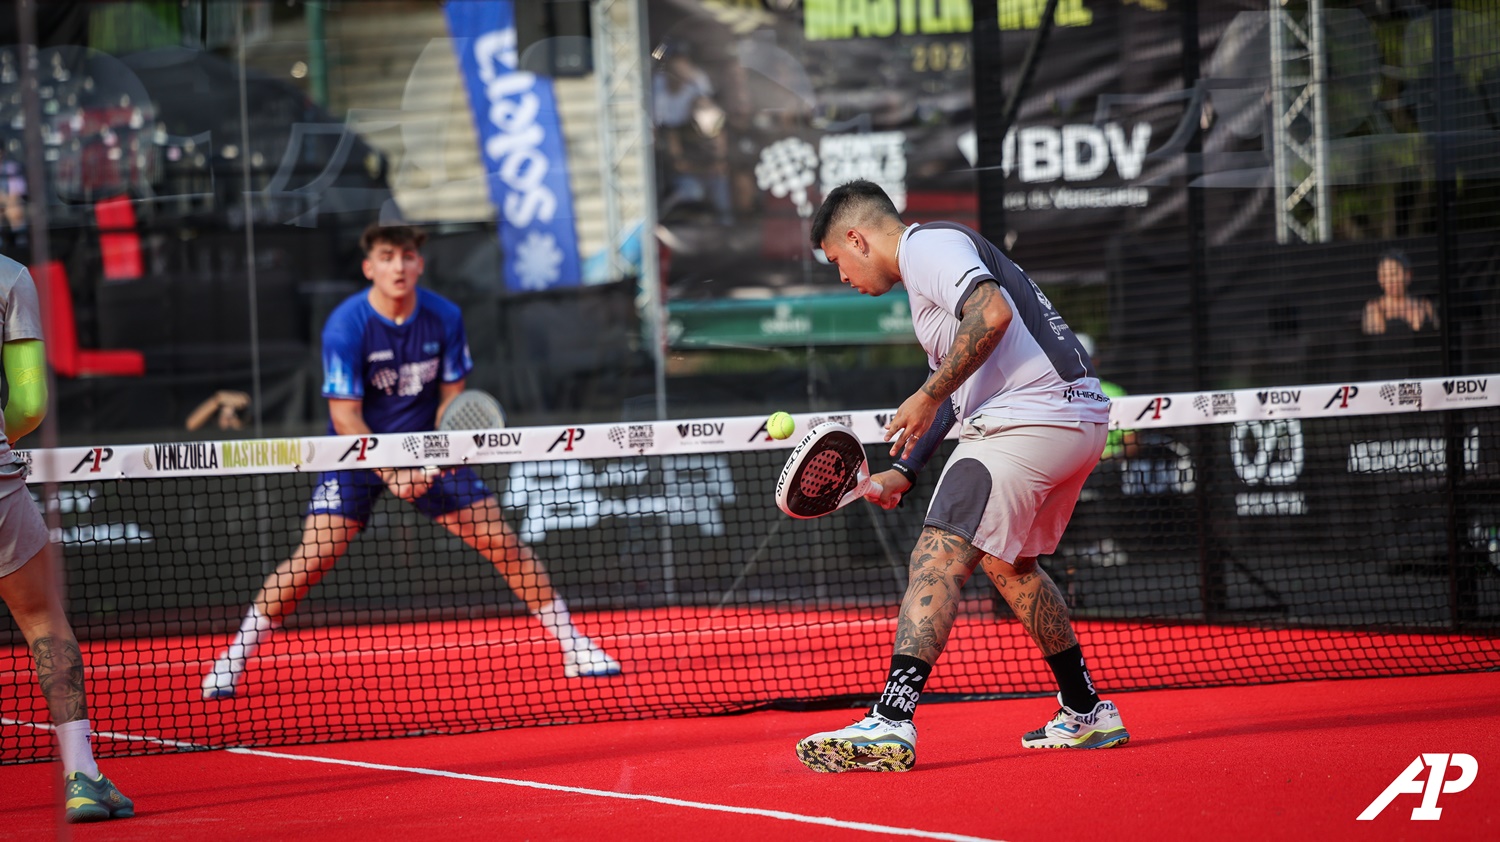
521, 144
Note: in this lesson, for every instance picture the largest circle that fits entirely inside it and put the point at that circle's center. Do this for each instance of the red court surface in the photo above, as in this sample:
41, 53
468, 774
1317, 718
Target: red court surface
1286, 761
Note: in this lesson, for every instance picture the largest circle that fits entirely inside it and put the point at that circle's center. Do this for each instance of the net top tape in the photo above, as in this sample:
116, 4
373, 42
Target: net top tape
717, 435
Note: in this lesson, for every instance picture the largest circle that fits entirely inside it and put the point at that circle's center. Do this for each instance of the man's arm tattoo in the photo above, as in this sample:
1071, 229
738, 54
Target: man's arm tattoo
975, 341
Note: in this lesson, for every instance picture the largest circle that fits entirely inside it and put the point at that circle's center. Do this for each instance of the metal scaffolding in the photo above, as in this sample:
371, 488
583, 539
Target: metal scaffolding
627, 160
1299, 76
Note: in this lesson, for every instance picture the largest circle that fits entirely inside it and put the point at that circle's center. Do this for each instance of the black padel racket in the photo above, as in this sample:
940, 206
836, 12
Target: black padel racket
826, 472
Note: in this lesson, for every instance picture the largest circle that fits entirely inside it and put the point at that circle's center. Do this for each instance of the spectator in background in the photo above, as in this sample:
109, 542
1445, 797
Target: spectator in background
1398, 330
691, 143
225, 407
1397, 311
15, 241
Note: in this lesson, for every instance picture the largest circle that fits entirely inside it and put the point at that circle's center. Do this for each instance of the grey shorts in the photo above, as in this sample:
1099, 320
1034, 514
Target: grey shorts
1010, 486
23, 533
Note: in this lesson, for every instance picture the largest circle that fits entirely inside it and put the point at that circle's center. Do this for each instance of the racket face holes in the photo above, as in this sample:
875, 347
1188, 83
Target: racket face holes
822, 470
821, 473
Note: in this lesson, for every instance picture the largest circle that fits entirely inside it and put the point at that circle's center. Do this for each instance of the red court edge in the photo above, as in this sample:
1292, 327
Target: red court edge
1287, 761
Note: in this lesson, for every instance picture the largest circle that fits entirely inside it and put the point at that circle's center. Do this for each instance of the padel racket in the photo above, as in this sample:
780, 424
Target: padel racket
470, 410
473, 410
826, 472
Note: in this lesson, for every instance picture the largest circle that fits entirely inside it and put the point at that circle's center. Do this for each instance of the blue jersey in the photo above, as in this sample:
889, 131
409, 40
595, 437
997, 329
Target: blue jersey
394, 369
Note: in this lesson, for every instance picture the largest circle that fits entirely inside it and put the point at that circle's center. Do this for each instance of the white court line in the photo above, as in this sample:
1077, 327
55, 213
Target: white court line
655, 799
113, 735
576, 790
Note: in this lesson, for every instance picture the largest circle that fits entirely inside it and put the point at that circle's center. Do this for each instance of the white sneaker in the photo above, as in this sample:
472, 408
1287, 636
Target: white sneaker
223, 680
584, 658
1099, 728
874, 743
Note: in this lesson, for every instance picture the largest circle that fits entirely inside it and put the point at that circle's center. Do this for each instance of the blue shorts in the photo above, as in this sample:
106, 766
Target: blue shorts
352, 494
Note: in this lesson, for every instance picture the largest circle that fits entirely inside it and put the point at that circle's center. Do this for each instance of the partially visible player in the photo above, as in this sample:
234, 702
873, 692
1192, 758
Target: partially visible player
1008, 368
30, 581
394, 357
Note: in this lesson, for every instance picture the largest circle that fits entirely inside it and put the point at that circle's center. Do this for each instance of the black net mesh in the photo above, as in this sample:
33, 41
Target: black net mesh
1214, 553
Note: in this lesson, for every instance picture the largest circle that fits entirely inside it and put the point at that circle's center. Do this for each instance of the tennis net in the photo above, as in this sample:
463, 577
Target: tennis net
1321, 531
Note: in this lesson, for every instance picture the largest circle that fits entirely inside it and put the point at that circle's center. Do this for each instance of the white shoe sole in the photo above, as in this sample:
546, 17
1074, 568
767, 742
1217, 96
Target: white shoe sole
1093, 739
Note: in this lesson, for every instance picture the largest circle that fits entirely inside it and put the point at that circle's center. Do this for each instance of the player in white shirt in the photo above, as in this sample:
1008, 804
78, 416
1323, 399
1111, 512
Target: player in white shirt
1034, 421
31, 582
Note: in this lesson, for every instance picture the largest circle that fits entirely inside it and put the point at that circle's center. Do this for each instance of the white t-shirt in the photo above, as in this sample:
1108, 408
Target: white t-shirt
1038, 372
20, 318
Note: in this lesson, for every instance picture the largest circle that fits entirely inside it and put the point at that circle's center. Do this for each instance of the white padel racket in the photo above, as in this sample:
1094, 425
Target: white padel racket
473, 410
470, 410
826, 472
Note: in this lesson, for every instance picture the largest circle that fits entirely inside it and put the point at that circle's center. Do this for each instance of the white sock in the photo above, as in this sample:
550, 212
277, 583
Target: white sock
555, 618
255, 629
73, 744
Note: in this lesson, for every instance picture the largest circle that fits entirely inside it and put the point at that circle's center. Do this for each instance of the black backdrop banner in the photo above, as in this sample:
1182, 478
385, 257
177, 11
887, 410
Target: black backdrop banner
819, 94
1140, 190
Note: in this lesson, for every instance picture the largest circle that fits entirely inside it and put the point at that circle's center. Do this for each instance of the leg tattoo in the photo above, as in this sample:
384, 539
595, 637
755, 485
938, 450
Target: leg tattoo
1037, 602
59, 670
940, 565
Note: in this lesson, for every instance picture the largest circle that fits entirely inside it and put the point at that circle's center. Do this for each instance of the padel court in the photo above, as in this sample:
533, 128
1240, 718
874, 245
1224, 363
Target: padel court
1290, 609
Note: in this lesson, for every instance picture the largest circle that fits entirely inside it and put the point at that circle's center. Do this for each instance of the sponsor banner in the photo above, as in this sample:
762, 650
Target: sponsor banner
521, 145
1318, 401
1156, 411
267, 453
821, 92
1254, 407
1460, 392
1222, 406
429, 449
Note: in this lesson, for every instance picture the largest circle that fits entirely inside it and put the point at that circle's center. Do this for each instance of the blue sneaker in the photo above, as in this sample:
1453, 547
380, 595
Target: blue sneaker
95, 799
874, 743
1099, 728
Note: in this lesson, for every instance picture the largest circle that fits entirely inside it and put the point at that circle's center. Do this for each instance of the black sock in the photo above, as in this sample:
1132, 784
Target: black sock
1073, 679
903, 687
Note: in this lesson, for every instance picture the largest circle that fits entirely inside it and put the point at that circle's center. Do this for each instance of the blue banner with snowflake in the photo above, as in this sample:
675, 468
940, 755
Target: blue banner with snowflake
521, 145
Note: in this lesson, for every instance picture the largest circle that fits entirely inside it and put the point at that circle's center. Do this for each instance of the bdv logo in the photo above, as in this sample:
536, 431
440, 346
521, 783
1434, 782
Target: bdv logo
1410, 783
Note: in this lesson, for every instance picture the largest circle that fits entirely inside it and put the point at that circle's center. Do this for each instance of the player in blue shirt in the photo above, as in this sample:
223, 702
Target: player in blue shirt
394, 357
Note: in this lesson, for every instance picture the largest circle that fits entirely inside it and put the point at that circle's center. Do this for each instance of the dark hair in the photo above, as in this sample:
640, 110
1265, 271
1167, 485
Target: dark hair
1397, 255
854, 199
400, 236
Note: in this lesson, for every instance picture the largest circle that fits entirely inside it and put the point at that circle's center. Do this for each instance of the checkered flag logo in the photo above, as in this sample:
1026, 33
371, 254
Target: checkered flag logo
786, 169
